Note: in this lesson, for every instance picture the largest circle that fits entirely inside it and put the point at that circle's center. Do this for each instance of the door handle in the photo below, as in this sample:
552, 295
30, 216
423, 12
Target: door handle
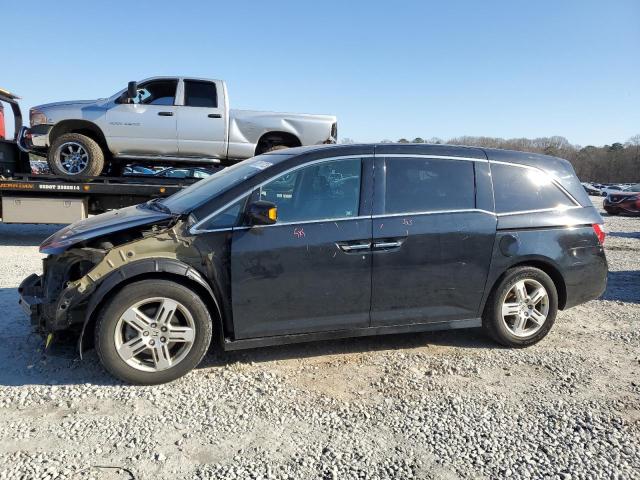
214, 115
354, 247
388, 244
165, 114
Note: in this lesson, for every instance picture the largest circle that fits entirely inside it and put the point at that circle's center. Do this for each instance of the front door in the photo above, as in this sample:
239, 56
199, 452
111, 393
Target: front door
147, 126
311, 271
431, 244
202, 126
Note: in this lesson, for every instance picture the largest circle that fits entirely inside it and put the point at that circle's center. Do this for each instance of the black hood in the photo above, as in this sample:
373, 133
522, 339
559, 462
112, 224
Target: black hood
100, 225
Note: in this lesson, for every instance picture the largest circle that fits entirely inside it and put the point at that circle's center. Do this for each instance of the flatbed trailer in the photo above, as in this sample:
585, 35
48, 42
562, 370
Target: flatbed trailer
51, 199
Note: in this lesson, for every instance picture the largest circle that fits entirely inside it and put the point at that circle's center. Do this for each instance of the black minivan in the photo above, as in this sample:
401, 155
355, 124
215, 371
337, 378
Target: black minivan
325, 242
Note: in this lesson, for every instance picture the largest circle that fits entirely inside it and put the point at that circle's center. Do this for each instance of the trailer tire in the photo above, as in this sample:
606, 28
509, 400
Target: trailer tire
75, 156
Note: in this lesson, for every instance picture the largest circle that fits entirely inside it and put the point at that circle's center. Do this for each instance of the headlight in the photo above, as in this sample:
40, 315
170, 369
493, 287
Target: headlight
36, 117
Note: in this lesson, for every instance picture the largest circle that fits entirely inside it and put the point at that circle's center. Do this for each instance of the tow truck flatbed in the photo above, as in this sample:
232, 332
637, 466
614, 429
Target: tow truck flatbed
51, 199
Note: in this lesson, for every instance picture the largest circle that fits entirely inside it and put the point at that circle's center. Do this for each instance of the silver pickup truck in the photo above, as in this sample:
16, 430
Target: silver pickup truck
167, 120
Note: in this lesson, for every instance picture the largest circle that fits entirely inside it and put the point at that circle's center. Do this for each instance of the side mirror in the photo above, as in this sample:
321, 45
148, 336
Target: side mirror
262, 213
132, 89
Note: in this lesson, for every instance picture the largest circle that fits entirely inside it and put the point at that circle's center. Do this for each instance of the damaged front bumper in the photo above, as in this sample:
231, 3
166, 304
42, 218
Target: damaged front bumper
50, 313
30, 291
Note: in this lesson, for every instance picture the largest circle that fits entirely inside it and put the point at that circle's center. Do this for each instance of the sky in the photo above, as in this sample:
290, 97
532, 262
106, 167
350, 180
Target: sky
387, 69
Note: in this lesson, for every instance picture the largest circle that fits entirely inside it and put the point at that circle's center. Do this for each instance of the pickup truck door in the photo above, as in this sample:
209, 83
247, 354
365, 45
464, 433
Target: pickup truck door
202, 120
148, 125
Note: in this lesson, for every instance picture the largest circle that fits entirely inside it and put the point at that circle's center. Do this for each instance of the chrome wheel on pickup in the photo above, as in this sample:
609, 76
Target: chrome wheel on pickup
72, 158
521, 308
152, 331
75, 156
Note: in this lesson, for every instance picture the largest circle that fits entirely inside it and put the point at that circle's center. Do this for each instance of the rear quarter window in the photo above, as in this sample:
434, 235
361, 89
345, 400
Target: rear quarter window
519, 189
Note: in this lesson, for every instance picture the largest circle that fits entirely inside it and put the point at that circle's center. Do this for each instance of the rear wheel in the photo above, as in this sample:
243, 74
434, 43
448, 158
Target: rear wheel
522, 308
152, 332
75, 155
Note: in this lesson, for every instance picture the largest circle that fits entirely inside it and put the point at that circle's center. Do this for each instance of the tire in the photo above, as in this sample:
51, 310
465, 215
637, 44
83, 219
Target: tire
504, 330
112, 343
74, 155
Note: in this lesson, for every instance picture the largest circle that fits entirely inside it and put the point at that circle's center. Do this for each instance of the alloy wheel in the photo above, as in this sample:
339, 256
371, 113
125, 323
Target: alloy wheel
525, 308
154, 334
72, 158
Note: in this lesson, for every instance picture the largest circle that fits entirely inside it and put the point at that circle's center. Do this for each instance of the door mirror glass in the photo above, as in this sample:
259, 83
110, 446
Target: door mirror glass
262, 213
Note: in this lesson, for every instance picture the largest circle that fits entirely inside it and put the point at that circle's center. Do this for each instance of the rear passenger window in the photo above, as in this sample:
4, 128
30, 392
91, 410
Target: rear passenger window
200, 94
424, 185
518, 189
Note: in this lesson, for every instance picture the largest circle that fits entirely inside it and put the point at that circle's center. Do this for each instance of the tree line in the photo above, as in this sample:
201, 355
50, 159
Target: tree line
618, 162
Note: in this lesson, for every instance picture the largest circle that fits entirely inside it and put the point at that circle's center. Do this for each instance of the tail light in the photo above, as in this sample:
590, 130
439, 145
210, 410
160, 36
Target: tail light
598, 229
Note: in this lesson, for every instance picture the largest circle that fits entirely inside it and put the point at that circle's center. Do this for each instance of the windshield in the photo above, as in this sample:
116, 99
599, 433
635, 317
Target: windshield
195, 195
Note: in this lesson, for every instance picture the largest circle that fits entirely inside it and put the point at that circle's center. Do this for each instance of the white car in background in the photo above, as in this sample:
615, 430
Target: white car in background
609, 189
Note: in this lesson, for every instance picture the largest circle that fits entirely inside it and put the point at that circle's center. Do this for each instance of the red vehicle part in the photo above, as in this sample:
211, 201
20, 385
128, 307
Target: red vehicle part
2, 130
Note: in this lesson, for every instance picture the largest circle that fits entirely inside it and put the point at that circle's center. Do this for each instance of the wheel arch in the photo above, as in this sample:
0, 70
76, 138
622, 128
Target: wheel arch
165, 269
543, 264
287, 139
83, 127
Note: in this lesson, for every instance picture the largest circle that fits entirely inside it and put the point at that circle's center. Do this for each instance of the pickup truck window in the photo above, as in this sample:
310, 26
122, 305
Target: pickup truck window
156, 92
200, 94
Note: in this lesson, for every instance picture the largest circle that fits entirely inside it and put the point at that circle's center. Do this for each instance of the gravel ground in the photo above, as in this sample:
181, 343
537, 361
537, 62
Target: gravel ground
442, 405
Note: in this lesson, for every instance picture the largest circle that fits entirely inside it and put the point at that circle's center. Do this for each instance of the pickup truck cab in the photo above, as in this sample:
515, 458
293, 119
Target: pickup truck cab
168, 120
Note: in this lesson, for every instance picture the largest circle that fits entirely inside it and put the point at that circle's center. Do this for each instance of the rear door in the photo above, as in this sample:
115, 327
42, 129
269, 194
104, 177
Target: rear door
311, 271
432, 241
148, 125
202, 122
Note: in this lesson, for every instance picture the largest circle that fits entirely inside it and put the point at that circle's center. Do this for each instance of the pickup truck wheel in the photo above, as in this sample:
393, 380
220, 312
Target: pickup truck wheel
152, 332
76, 155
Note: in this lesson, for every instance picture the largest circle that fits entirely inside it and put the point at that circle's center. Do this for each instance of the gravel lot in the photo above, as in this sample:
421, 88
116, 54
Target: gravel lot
436, 405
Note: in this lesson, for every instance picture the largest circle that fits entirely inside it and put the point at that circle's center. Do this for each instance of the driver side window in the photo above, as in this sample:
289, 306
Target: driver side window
322, 190
156, 92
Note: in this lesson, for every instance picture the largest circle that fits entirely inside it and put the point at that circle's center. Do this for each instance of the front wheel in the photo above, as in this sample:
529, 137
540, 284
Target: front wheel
152, 332
522, 307
74, 155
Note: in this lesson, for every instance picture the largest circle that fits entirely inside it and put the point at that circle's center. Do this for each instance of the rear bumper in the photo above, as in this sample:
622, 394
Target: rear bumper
586, 278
